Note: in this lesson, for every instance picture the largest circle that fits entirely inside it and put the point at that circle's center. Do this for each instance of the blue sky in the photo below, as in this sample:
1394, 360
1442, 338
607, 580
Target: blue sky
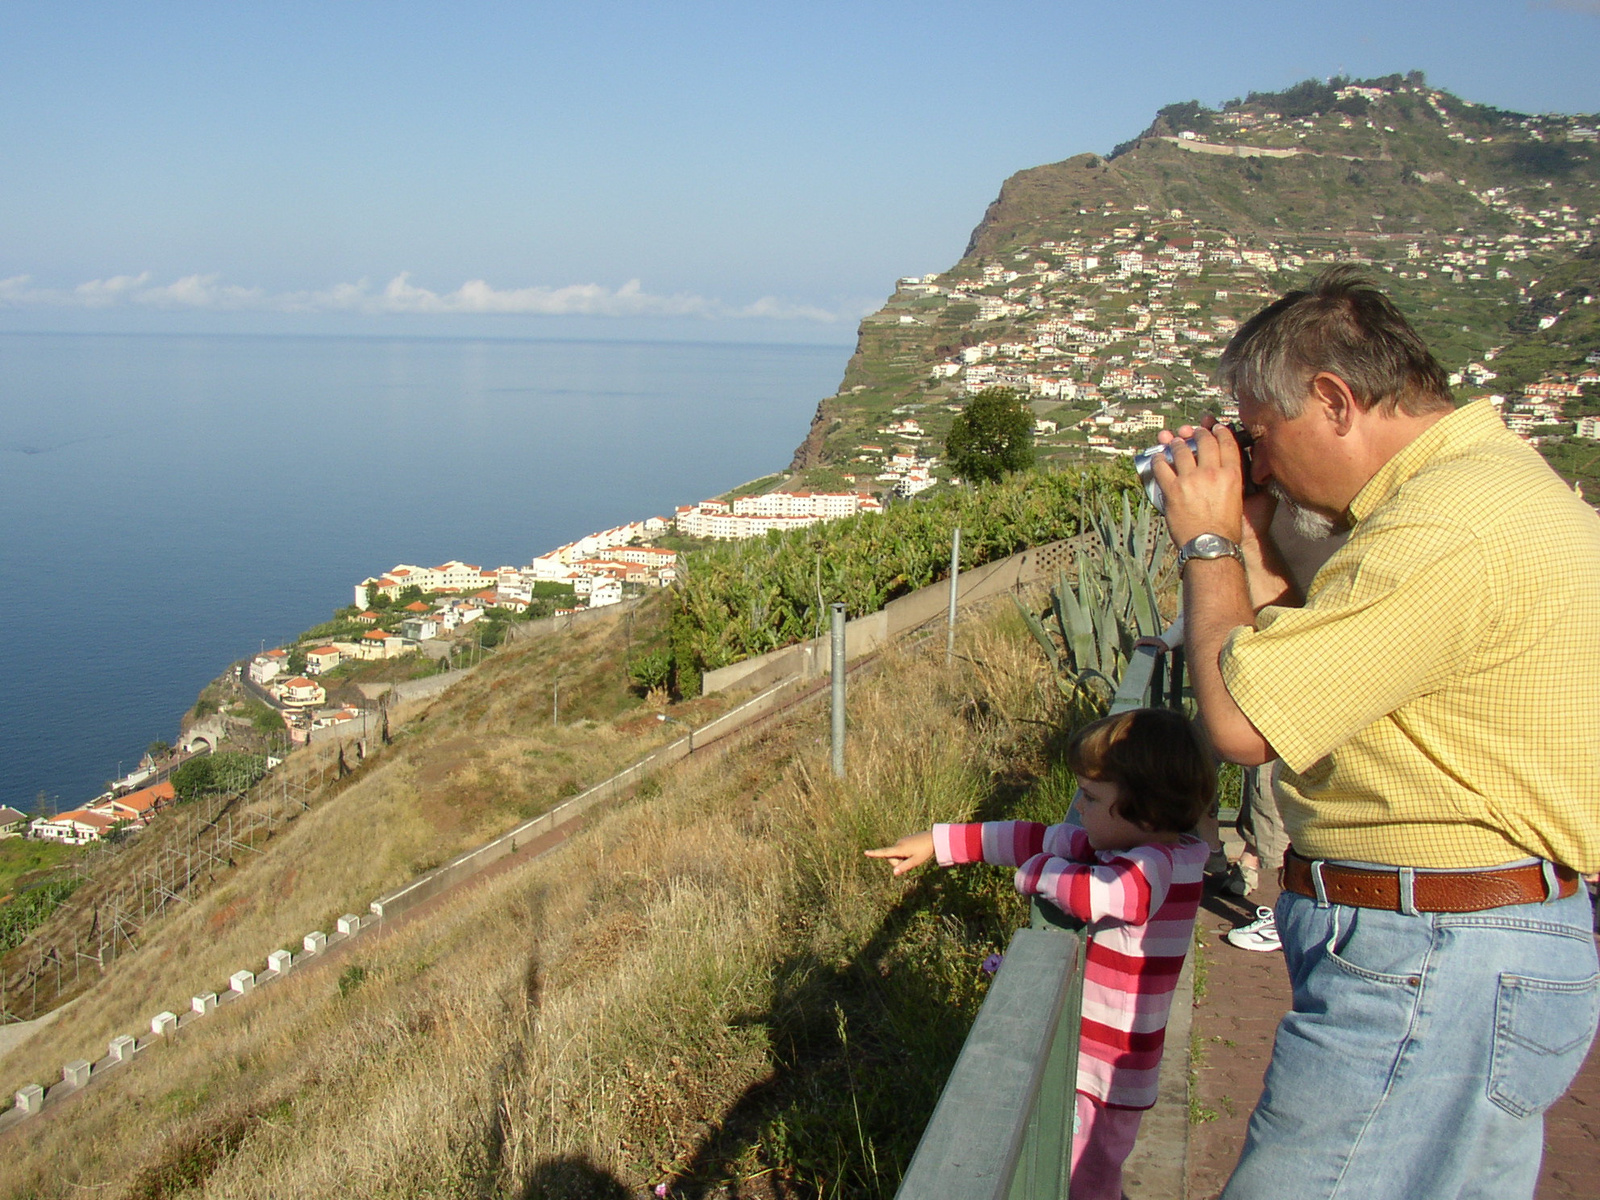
713, 171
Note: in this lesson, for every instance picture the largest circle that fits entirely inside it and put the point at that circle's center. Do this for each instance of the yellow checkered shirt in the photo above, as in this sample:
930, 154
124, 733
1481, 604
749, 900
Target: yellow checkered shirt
1436, 702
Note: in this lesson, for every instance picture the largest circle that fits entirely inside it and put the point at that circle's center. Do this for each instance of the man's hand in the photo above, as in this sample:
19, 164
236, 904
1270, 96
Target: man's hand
909, 853
1204, 490
1205, 494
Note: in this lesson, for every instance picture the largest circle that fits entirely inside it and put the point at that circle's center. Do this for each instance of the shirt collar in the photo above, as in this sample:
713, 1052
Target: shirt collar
1454, 431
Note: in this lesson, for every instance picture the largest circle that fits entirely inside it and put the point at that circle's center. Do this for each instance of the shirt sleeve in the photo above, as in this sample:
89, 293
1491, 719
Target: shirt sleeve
1004, 843
1126, 888
1391, 617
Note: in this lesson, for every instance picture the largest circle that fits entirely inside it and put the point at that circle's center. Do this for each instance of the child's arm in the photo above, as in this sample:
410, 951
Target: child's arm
1127, 890
1004, 843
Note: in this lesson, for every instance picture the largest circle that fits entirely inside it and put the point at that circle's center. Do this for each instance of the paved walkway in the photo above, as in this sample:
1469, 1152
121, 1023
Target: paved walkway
1245, 993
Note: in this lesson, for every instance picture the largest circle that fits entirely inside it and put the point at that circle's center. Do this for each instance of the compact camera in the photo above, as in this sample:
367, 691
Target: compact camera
1144, 460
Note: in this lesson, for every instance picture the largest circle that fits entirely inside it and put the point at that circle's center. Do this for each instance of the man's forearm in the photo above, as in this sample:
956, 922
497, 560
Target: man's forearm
1216, 601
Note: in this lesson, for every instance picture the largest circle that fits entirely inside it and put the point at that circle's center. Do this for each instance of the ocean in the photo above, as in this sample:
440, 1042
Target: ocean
170, 504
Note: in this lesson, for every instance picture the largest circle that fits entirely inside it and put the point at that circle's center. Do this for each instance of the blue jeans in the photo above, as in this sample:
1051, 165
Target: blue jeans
1421, 1051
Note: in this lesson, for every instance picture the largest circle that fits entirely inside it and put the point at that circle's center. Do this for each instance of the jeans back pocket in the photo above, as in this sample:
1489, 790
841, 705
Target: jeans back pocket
1542, 1031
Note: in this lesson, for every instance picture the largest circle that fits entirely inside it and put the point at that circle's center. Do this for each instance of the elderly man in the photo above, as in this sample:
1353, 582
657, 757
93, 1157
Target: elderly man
1440, 748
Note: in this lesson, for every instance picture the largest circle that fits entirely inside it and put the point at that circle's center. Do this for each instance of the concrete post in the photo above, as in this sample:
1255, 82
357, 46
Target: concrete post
955, 590
75, 1073
315, 943
163, 1023
204, 1004
838, 648
279, 962
349, 923
30, 1098
122, 1048
242, 982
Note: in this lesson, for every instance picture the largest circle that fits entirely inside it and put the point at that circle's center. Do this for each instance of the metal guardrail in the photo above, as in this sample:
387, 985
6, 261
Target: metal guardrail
1002, 1129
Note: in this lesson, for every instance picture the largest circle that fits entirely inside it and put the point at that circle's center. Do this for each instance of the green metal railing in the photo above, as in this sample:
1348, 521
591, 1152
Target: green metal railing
1002, 1129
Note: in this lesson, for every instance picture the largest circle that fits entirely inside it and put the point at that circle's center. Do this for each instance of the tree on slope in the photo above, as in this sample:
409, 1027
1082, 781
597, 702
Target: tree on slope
991, 437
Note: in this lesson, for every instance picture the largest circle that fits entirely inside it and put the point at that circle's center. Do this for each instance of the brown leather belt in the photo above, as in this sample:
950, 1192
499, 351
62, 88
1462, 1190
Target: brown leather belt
1431, 891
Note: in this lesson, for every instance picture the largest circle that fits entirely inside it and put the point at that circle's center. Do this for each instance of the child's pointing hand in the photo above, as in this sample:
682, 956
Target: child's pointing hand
908, 853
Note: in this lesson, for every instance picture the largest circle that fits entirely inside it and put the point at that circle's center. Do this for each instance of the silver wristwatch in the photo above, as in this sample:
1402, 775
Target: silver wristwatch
1208, 545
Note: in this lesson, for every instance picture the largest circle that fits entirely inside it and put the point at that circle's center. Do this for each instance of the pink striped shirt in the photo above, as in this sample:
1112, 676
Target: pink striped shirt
1140, 904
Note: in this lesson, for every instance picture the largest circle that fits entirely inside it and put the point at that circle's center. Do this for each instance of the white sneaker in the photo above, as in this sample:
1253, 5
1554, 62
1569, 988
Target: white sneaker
1260, 934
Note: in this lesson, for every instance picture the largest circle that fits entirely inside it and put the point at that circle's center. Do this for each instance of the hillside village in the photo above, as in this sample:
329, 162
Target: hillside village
1107, 306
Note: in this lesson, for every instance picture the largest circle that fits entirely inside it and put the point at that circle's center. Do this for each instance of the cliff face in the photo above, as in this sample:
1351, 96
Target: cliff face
809, 452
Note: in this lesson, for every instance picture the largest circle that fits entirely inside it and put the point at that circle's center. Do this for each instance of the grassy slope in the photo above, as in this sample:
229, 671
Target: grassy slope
460, 772
707, 984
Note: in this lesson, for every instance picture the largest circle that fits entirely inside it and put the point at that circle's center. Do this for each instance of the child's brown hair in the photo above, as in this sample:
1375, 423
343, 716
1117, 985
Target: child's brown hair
1165, 773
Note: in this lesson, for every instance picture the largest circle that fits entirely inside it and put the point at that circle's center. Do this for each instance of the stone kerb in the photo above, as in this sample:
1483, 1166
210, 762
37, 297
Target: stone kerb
31, 1098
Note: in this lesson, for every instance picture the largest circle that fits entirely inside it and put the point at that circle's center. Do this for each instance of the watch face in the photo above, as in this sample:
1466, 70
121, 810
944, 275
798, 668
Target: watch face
1211, 545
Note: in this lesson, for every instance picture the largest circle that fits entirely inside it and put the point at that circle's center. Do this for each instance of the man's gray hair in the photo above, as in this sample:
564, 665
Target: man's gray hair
1341, 324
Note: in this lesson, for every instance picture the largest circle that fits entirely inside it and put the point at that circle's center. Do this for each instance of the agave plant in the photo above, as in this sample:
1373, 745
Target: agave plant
1092, 627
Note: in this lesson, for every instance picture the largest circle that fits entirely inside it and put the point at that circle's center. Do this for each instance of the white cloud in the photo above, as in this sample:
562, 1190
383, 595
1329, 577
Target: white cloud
203, 292
103, 293
400, 295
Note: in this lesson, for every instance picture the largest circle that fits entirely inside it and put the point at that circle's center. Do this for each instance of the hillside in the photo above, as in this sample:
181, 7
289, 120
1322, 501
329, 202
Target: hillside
1108, 285
708, 986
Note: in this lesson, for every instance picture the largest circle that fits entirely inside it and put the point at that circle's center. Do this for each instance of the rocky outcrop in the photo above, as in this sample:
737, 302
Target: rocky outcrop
809, 452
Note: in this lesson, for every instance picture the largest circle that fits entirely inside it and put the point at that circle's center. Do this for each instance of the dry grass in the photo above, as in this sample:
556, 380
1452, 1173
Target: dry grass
709, 986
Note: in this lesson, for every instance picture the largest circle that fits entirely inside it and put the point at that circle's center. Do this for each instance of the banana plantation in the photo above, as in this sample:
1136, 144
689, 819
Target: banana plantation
746, 598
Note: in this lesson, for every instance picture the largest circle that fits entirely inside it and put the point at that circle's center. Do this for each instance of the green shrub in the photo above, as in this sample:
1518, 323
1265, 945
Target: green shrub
223, 772
27, 911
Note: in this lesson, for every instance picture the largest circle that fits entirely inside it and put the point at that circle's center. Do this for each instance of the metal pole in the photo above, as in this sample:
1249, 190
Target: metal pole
955, 587
838, 690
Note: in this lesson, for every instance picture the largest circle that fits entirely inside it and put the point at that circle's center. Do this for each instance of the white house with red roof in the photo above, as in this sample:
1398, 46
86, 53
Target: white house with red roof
301, 692
138, 807
264, 668
323, 658
75, 828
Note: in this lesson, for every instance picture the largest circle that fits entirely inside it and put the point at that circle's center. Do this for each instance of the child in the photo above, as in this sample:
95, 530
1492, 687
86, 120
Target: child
1133, 872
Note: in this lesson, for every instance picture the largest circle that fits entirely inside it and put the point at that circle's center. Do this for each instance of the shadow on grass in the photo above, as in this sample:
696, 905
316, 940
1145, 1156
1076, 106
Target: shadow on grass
573, 1179
860, 1050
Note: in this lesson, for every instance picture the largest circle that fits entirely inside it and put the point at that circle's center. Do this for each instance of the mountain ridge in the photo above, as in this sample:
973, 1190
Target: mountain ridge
1092, 268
